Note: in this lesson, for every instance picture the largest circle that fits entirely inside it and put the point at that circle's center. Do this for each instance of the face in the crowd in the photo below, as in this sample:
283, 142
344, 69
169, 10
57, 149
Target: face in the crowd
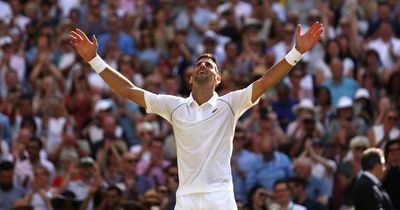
393, 155
129, 161
391, 118
282, 193
205, 72
6, 177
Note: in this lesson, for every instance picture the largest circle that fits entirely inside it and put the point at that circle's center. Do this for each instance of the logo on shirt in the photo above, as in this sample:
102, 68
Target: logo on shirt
214, 110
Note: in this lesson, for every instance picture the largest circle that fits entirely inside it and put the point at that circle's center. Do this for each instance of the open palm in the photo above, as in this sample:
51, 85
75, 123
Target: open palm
306, 41
86, 49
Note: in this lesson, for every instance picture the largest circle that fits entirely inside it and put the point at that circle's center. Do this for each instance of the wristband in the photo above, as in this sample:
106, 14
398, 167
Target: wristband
98, 64
293, 56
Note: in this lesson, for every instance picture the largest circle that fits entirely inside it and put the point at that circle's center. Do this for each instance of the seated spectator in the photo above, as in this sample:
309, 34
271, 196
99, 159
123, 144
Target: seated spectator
88, 181
154, 168
269, 166
24, 173
322, 167
339, 85
343, 127
241, 162
9, 190
132, 185
283, 106
380, 134
298, 191
391, 182
316, 187
257, 198
70, 146
40, 194
349, 170
282, 197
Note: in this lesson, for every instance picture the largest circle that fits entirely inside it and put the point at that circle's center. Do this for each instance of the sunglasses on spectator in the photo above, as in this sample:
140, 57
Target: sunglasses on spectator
392, 118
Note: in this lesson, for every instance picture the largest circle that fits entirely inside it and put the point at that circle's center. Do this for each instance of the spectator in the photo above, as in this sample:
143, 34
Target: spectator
283, 106
322, 167
283, 200
40, 194
123, 41
269, 166
349, 170
391, 183
298, 191
339, 85
241, 162
133, 185
368, 193
24, 169
10, 191
88, 182
316, 187
257, 198
380, 134
154, 168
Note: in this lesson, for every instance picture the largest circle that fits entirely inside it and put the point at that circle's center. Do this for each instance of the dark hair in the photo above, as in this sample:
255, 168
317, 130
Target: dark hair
298, 181
6, 165
115, 188
389, 144
37, 141
280, 181
371, 157
211, 57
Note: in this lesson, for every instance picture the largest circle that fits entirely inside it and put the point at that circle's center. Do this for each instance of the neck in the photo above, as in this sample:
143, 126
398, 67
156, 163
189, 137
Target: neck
202, 95
284, 205
302, 197
337, 81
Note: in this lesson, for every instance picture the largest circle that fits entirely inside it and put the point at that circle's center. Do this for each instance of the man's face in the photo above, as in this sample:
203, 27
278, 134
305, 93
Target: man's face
6, 177
205, 71
282, 192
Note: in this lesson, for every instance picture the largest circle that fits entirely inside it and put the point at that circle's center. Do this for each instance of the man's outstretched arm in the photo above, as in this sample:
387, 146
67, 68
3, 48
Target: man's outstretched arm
88, 51
273, 75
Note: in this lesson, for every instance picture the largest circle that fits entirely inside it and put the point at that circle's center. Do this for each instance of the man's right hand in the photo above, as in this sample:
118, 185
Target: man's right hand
86, 49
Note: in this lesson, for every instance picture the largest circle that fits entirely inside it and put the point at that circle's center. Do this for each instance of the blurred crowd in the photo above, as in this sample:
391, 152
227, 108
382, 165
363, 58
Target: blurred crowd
69, 142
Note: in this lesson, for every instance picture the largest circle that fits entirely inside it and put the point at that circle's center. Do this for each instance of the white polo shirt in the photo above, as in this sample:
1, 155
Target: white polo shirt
204, 136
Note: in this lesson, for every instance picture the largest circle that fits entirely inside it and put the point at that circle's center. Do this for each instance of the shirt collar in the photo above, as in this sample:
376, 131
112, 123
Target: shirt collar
372, 177
211, 101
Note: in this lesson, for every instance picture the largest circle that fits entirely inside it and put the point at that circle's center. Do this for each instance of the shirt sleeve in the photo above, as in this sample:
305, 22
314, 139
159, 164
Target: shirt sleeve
240, 100
162, 105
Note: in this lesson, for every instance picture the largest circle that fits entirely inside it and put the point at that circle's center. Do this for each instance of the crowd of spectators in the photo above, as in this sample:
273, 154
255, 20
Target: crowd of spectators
69, 142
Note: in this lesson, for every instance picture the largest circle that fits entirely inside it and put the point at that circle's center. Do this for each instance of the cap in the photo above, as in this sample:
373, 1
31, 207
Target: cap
102, 105
304, 104
210, 36
361, 93
86, 162
359, 141
5, 40
344, 102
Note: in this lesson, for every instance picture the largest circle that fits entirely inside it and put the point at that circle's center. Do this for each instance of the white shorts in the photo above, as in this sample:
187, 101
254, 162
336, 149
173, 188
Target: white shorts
221, 200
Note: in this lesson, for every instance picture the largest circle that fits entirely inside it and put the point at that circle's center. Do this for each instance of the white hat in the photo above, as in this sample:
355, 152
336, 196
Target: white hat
4, 40
305, 103
361, 93
344, 102
359, 141
103, 104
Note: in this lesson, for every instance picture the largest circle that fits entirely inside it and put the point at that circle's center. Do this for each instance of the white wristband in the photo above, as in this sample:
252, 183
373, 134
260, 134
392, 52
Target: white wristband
293, 56
98, 64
